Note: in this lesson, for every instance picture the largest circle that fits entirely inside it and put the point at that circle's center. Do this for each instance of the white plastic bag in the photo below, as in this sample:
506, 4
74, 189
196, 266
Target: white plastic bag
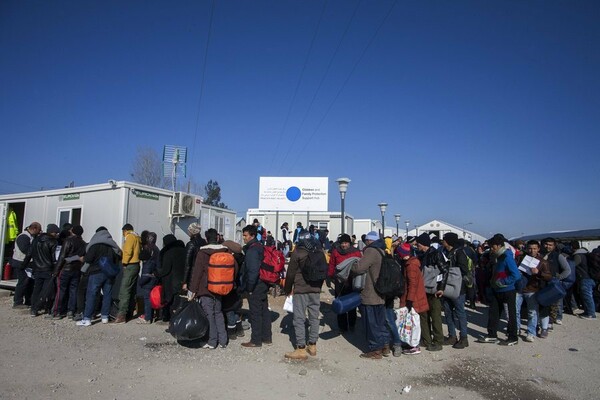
409, 326
289, 304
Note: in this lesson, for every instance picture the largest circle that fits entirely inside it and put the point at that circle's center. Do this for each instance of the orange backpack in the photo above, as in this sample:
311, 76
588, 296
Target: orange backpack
221, 273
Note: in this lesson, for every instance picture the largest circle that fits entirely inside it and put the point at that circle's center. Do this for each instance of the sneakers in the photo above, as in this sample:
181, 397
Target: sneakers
239, 329
311, 349
487, 339
84, 322
20, 307
584, 316
462, 343
450, 340
434, 347
267, 342
509, 342
544, 334
411, 351
372, 355
142, 321
78, 317
251, 344
397, 350
58, 317
298, 354
558, 322
386, 351
529, 338
105, 320
70, 314
208, 346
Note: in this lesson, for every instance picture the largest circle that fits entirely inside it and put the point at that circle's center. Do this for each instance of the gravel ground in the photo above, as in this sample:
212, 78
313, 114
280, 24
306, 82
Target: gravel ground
44, 359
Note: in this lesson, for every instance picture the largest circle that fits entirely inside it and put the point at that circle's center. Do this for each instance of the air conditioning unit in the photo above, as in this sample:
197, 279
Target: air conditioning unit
184, 204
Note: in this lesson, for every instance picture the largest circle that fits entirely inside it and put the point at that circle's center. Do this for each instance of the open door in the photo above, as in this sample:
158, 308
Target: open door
3, 211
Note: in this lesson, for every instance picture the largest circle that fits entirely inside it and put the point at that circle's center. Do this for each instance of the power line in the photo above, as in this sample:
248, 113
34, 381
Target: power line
289, 111
345, 82
339, 45
212, 12
20, 184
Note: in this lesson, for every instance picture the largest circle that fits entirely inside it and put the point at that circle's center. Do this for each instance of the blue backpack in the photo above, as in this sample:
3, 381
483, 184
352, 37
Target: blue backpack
108, 267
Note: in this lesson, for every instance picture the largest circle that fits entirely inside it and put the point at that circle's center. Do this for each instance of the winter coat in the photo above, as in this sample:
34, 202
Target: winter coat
338, 255
101, 245
537, 281
370, 263
414, 289
253, 256
505, 273
171, 267
42, 252
191, 249
294, 278
131, 248
73, 246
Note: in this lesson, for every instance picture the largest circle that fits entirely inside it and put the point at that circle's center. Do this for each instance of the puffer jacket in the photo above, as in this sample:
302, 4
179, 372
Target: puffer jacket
414, 286
338, 255
370, 263
42, 252
294, 276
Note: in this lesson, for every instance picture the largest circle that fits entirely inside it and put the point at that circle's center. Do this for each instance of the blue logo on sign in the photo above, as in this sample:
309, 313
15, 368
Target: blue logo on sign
293, 193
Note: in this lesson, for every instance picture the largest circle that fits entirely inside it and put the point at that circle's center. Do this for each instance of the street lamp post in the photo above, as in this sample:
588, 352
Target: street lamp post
465, 228
382, 208
397, 217
343, 187
407, 222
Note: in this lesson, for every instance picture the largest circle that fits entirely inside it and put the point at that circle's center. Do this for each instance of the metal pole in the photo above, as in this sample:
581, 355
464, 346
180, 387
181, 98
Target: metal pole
343, 215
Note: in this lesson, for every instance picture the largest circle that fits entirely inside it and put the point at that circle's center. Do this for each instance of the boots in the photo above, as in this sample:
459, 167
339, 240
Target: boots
311, 349
232, 333
450, 340
373, 355
298, 354
462, 343
239, 329
120, 319
386, 350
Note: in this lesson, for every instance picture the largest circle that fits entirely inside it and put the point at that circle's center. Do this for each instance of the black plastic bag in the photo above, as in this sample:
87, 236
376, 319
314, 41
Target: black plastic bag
189, 323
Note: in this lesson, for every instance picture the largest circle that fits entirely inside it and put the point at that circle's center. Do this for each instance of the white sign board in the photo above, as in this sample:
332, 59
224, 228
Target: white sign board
293, 194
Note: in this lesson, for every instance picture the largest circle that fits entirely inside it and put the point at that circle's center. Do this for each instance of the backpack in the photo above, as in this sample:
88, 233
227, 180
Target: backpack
315, 267
390, 282
221, 273
272, 266
108, 267
593, 262
469, 278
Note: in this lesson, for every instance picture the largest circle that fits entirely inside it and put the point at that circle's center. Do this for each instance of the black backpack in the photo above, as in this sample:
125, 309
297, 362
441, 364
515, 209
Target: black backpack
390, 282
315, 267
593, 263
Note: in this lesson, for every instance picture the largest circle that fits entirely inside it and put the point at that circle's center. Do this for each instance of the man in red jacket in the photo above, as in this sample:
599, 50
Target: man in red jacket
342, 250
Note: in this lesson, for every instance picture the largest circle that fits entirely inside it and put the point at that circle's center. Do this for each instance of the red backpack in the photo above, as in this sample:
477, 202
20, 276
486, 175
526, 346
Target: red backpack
272, 265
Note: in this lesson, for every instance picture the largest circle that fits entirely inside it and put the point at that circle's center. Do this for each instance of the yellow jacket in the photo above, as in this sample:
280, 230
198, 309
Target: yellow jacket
12, 230
131, 248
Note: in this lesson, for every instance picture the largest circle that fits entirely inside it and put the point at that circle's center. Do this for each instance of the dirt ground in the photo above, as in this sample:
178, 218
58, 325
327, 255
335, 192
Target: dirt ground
45, 359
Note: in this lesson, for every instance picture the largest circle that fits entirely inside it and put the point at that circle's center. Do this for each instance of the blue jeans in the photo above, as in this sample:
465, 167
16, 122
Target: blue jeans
586, 291
390, 316
456, 309
519, 304
95, 283
148, 311
378, 334
535, 312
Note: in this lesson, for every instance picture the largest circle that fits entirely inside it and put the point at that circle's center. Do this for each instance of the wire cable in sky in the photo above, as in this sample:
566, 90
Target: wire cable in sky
193, 153
339, 45
289, 111
345, 83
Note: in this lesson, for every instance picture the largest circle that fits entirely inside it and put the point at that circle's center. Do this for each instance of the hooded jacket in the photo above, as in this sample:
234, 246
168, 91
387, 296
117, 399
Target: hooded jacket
171, 265
253, 256
101, 245
191, 249
505, 272
370, 263
581, 265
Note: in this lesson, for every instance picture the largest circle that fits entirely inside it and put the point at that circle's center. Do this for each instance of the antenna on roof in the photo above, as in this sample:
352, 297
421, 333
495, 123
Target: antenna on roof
174, 160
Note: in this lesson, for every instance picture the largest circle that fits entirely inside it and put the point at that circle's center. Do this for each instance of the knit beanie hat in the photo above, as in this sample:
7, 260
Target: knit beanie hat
77, 230
372, 236
451, 238
403, 250
345, 238
52, 228
424, 239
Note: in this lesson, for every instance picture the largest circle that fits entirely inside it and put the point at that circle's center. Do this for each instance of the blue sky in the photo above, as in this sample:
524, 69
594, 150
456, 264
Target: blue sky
468, 111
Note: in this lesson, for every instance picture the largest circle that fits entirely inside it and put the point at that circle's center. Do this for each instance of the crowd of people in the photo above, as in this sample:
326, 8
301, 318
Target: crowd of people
62, 276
